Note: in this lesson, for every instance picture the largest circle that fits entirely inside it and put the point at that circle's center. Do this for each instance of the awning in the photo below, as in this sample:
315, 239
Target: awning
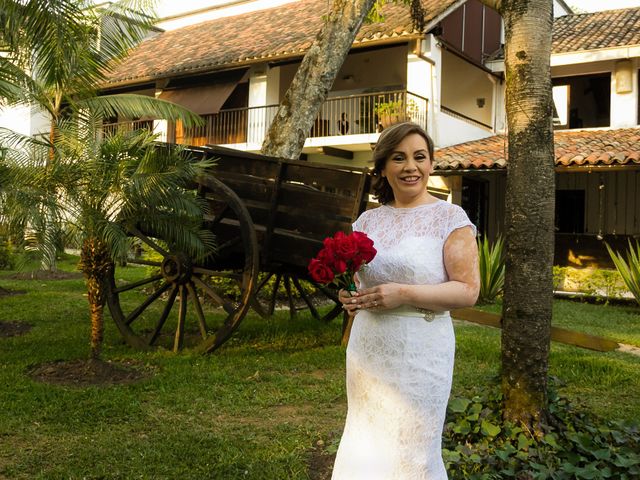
206, 99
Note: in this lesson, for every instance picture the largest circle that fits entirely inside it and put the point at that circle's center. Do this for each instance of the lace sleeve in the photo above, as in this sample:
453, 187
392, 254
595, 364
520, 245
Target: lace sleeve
457, 219
360, 224
355, 226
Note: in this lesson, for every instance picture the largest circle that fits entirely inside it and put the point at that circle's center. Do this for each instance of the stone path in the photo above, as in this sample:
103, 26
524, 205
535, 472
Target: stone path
632, 349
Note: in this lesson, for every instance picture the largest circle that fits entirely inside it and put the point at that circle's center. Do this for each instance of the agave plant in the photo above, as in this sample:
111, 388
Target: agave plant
492, 269
629, 269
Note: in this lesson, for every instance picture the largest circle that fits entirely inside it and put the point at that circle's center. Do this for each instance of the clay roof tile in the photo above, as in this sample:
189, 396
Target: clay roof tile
572, 147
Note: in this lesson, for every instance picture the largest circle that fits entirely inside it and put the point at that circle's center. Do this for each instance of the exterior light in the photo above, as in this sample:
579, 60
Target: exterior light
623, 76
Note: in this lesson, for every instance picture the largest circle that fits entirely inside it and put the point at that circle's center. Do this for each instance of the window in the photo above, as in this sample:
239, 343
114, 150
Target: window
586, 99
570, 206
561, 106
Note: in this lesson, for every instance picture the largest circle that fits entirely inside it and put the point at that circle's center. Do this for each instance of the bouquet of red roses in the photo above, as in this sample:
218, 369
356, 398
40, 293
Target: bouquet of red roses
340, 258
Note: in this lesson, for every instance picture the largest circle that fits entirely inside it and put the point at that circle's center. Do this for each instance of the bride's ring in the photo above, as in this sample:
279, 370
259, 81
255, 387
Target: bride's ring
375, 303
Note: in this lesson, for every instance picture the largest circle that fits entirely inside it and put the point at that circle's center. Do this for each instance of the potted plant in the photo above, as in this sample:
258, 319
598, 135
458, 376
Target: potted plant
395, 111
390, 112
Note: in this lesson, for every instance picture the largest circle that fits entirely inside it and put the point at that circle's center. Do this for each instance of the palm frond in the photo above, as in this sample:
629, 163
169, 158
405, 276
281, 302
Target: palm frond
129, 105
18, 141
124, 24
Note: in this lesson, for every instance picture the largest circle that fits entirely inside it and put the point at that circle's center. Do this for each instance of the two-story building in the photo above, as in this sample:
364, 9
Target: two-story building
234, 71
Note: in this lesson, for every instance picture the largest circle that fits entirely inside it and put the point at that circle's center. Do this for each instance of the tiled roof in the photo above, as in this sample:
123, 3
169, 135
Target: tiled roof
589, 31
281, 32
584, 147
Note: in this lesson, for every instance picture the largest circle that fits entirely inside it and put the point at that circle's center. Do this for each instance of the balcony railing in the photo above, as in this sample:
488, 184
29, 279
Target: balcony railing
113, 128
345, 115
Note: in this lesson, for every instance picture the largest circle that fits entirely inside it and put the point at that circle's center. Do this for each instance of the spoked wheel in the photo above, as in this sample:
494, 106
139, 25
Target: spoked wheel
296, 297
205, 315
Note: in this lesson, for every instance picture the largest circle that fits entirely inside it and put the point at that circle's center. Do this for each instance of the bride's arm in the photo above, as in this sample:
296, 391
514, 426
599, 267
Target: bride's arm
461, 290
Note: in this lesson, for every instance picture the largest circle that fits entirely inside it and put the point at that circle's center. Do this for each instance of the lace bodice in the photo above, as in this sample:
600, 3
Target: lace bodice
419, 232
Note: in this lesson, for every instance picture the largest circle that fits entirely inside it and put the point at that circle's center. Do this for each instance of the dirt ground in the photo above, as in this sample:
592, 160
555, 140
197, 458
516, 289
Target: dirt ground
84, 372
13, 329
45, 275
320, 463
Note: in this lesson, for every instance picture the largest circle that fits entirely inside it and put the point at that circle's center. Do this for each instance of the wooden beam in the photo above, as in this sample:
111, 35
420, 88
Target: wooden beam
338, 152
560, 335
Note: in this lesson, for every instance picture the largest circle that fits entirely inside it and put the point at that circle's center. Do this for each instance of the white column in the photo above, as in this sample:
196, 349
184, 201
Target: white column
161, 127
432, 51
418, 75
257, 126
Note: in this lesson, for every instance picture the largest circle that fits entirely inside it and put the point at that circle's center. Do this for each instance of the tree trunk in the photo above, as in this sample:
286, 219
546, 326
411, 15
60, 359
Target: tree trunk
314, 78
530, 200
95, 264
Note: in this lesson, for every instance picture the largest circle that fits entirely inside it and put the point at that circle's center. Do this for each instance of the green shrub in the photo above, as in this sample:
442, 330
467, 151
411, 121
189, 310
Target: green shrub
590, 281
479, 445
7, 255
629, 269
492, 269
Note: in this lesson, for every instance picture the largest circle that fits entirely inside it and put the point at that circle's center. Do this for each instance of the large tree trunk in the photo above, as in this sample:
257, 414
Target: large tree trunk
95, 264
530, 199
314, 78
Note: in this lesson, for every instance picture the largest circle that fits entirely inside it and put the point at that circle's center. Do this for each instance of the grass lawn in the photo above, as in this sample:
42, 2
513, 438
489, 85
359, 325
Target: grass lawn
256, 409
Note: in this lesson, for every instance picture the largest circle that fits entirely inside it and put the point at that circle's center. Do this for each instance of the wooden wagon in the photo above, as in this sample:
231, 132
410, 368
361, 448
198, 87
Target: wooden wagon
269, 217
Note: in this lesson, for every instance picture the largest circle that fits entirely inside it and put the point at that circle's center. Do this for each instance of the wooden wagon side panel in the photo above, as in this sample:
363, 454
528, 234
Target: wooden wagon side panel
314, 201
294, 205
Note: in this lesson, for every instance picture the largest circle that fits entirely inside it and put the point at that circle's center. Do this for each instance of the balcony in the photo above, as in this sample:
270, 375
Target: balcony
339, 116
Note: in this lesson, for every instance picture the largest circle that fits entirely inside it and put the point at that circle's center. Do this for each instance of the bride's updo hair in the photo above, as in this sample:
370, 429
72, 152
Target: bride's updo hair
387, 143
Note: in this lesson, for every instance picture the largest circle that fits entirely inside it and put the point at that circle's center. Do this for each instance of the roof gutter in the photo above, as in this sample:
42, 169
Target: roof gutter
558, 169
460, 171
597, 168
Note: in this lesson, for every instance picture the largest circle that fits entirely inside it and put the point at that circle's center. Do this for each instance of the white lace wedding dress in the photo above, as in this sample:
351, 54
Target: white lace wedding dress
399, 367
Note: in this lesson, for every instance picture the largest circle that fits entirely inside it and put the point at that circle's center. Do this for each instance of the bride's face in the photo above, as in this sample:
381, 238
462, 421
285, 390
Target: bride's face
407, 169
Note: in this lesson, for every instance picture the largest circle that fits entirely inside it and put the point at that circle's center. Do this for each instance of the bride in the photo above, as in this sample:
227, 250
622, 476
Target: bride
401, 349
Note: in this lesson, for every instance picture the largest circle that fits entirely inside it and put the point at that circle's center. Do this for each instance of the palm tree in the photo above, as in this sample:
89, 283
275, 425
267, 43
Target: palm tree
56, 55
106, 187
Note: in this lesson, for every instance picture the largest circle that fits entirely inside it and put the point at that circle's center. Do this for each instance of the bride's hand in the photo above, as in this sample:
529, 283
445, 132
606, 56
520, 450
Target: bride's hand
349, 301
381, 297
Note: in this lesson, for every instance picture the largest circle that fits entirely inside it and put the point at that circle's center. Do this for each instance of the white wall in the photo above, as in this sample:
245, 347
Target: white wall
559, 10
463, 85
624, 104
452, 131
17, 119
175, 14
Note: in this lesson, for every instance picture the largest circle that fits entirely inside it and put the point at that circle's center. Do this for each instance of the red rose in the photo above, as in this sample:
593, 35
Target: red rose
328, 243
320, 272
339, 266
327, 257
346, 246
366, 251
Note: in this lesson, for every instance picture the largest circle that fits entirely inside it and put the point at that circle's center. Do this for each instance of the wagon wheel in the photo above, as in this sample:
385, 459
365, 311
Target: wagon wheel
205, 316
291, 282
